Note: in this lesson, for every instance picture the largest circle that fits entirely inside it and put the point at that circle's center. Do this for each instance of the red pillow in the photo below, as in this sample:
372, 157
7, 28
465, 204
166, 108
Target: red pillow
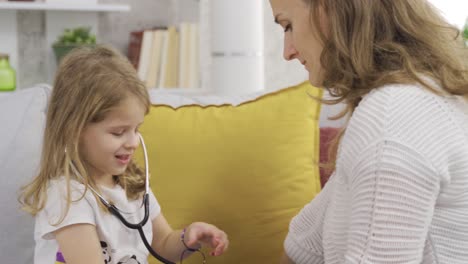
326, 135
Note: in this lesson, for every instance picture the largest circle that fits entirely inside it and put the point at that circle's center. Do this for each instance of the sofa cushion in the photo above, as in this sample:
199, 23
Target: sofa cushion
247, 167
327, 136
22, 120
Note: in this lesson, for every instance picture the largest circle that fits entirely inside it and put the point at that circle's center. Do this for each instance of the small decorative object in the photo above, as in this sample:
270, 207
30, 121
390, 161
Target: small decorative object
72, 38
7, 74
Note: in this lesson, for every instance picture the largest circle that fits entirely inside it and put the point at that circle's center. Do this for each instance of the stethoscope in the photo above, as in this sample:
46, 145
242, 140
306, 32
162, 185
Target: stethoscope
118, 213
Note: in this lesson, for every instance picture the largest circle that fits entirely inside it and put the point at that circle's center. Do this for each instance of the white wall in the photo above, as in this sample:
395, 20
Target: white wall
455, 11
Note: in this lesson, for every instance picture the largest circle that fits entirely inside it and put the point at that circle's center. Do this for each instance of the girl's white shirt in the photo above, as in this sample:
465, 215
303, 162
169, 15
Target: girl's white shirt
119, 243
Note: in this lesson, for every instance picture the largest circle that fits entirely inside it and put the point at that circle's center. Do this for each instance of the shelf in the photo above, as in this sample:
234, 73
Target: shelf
64, 6
3, 93
59, 15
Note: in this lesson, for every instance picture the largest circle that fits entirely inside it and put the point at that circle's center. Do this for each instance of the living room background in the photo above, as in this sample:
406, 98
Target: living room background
114, 28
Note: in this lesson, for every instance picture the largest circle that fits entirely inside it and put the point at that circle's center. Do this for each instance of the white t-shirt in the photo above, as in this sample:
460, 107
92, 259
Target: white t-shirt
120, 245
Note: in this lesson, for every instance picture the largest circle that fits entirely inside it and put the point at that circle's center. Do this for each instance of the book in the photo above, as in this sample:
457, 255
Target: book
155, 59
193, 68
145, 54
164, 53
134, 47
166, 57
172, 62
184, 44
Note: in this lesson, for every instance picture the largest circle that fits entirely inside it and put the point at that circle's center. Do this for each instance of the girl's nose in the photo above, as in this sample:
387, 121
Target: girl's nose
133, 140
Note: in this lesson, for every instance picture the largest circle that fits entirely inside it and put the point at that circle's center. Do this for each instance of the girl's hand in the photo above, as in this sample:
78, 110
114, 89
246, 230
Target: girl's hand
199, 233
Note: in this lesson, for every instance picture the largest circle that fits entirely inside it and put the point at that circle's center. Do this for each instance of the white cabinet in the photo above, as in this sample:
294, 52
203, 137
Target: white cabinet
60, 14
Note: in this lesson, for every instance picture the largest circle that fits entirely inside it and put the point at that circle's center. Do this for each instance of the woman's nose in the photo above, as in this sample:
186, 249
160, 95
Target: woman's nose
289, 50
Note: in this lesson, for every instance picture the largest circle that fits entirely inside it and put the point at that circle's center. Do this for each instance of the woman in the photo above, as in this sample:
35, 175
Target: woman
399, 189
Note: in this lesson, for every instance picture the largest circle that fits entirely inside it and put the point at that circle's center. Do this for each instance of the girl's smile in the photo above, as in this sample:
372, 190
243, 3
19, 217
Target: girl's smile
123, 159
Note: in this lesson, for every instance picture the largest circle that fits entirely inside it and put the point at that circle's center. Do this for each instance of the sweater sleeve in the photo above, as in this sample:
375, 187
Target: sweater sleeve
393, 191
303, 243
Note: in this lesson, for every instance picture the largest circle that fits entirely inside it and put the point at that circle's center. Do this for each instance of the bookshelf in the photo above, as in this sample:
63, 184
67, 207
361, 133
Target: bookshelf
60, 14
231, 48
167, 57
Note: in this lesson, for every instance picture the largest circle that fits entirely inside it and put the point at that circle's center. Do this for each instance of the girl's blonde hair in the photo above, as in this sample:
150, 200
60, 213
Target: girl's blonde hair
371, 43
90, 82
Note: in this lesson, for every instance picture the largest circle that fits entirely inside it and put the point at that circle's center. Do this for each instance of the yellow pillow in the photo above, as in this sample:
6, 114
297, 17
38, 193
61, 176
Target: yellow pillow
247, 169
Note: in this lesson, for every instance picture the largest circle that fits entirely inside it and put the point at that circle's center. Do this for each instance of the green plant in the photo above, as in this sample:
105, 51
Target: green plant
72, 38
79, 35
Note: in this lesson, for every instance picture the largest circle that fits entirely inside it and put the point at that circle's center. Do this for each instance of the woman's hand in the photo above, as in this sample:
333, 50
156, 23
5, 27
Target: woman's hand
198, 234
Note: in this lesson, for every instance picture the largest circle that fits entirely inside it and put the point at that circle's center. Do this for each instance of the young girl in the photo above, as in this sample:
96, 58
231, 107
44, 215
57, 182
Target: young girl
96, 108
